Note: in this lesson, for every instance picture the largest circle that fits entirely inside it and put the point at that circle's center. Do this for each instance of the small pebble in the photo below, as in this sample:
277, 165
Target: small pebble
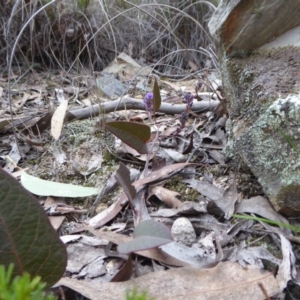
184, 232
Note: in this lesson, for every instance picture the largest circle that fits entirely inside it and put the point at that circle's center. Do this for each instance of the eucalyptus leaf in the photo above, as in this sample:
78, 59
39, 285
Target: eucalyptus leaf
148, 234
142, 243
133, 134
43, 187
123, 177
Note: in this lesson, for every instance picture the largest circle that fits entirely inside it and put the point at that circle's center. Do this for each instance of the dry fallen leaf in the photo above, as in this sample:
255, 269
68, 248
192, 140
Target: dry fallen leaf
108, 214
186, 208
81, 255
217, 156
154, 253
205, 188
167, 196
252, 256
56, 221
41, 124
260, 206
287, 270
225, 281
57, 120
58, 154
86, 161
13, 158
227, 202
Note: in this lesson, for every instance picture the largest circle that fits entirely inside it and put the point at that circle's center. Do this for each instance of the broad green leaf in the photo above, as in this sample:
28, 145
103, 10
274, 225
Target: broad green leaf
43, 187
123, 177
133, 134
156, 97
148, 234
27, 237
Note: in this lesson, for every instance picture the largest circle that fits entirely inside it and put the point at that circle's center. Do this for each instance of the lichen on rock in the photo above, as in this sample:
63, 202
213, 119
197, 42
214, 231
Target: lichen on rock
262, 87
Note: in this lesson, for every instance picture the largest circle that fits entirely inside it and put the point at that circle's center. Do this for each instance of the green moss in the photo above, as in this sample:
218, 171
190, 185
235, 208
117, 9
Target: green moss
31, 162
108, 157
187, 194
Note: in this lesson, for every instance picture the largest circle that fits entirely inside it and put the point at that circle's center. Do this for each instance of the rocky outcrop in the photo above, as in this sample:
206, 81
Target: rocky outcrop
258, 46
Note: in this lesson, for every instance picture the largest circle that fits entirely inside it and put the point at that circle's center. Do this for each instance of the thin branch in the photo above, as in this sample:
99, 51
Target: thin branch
131, 103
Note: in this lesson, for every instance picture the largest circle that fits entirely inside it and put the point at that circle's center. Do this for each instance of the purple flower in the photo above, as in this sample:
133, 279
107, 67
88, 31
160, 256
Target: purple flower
148, 101
188, 99
199, 85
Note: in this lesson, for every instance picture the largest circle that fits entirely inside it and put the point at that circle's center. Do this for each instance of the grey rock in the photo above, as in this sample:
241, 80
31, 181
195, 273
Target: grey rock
183, 232
270, 147
259, 61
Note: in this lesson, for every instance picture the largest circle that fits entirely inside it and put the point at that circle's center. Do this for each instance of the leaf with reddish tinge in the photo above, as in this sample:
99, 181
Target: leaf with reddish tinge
148, 234
41, 125
123, 177
125, 272
167, 196
189, 148
133, 134
27, 237
108, 214
156, 97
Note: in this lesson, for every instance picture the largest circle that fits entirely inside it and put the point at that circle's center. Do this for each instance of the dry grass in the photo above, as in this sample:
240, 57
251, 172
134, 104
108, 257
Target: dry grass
89, 34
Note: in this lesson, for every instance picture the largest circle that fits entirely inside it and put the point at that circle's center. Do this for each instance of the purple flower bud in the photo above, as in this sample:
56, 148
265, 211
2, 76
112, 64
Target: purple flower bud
199, 85
188, 99
148, 101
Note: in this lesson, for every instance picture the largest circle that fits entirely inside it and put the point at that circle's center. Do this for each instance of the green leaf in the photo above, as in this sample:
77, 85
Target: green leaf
27, 238
133, 134
280, 224
22, 287
123, 177
148, 234
156, 97
43, 187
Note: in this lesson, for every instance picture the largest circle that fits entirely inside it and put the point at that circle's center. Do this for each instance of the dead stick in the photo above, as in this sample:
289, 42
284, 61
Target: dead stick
131, 103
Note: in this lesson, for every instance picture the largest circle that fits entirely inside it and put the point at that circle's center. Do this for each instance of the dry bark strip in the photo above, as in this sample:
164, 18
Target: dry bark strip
131, 103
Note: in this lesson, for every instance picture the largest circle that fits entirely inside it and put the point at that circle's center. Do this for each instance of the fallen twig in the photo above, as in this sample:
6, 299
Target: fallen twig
131, 103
